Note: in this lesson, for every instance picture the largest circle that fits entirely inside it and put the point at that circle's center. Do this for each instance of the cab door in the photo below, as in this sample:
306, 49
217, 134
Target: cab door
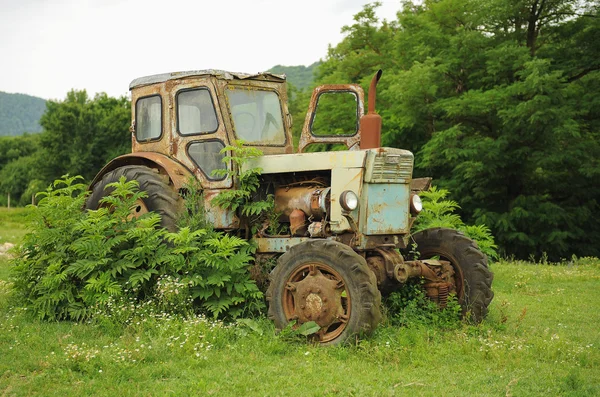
333, 117
198, 139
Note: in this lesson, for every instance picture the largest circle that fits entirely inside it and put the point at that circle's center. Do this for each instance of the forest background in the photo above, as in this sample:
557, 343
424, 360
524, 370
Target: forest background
498, 99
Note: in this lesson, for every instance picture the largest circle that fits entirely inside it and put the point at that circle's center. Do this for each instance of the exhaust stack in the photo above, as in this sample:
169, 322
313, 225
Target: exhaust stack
370, 123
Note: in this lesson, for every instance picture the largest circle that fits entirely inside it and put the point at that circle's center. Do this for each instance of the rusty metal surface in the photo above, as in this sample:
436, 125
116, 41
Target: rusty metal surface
391, 259
319, 229
388, 265
365, 242
173, 144
377, 265
384, 209
439, 275
389, 165
342, 179
277, 244
302, 162
351, 142
420, 184
178, 173
314, 202
438, 292
219, 218
221, 74
298, 224
316, 292
370, 124
406, 270
280, 88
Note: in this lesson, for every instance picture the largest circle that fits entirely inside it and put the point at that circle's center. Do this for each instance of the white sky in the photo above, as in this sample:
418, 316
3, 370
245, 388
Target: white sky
48, 47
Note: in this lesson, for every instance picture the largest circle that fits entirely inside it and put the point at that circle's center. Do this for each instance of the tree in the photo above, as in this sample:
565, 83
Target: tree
82, 134
499, 101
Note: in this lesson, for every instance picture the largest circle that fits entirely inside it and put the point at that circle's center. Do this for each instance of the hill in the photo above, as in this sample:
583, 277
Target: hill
20, 113
300, 76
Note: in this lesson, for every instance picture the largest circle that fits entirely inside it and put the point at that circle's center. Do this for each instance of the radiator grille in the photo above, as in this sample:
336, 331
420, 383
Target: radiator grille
391, 168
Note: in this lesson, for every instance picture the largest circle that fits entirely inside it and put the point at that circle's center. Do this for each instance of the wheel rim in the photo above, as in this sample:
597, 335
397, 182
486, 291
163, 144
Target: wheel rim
138, 209
316, 292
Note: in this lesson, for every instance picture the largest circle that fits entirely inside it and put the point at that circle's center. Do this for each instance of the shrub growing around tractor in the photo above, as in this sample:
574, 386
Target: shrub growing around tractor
74, 261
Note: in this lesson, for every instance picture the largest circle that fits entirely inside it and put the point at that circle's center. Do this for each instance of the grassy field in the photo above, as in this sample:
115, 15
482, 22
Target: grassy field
12, 224
541, 338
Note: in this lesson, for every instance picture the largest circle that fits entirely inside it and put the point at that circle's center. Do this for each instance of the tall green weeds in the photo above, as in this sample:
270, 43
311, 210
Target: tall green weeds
74, 261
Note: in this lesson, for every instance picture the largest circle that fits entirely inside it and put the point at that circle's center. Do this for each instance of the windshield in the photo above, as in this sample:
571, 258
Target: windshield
256, 115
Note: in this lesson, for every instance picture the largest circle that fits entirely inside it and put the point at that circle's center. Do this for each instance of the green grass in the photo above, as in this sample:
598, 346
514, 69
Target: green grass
541, 338
12, 224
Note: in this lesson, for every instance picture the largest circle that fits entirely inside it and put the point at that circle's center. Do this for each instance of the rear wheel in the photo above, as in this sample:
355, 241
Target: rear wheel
328, 283
161, 199
472, 277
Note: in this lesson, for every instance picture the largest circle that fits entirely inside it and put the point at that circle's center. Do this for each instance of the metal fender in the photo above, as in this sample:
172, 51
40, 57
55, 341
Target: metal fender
177, 172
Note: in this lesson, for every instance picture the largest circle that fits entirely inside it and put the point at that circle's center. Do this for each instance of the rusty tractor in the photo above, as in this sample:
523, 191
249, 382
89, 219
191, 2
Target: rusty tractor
349, 213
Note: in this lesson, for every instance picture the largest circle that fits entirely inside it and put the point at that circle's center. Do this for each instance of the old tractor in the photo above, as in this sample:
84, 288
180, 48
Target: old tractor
348, 212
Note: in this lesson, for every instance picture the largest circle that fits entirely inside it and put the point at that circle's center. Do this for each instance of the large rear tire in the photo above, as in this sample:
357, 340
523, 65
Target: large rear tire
473, 278
161, 199
326, 282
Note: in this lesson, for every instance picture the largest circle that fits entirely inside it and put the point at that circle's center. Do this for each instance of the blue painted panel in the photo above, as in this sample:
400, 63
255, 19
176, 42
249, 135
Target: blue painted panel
386, 208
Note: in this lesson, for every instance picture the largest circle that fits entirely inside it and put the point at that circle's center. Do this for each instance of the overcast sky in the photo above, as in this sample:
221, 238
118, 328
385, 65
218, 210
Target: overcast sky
48, 47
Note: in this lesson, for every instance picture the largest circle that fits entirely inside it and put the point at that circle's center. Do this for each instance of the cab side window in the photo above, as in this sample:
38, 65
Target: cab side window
208, 157
148, 118
196, 112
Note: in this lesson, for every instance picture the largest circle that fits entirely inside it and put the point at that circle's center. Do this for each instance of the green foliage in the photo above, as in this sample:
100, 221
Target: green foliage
73, 261
80, 136
244, 197
213, 270
410, 307
19, 165
438, 211
499, 102
20, 113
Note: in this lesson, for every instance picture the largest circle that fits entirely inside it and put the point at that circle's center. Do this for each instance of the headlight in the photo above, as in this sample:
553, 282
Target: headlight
416, 205
349, 200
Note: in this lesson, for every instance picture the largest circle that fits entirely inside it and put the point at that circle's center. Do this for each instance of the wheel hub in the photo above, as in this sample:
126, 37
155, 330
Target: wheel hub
317, 298
139, 208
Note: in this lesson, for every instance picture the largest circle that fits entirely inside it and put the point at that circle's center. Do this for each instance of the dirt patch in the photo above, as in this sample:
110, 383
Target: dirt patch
4, 250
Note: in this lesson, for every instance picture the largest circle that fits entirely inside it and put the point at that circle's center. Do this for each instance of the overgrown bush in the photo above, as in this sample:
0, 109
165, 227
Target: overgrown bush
74, 261
409, 306
438, 211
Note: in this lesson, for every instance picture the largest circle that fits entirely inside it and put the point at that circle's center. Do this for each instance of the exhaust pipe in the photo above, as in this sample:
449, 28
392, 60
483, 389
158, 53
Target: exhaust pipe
370, 123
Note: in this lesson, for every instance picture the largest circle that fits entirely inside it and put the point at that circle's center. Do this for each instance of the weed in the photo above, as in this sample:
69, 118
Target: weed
73, 261
409, 307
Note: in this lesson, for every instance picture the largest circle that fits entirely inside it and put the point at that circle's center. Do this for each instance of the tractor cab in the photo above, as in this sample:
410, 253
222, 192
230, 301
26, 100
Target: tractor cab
191, 116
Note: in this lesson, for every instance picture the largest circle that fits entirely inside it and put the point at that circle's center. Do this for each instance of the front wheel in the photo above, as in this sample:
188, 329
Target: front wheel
328, 283
161, 199
472, 277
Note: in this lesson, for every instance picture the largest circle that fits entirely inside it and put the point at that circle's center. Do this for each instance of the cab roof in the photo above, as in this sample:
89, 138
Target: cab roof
220, 74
